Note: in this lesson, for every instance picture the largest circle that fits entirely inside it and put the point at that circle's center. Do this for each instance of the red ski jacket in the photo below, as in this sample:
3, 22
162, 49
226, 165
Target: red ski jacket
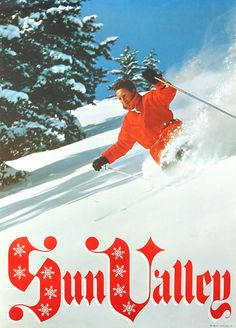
144, 123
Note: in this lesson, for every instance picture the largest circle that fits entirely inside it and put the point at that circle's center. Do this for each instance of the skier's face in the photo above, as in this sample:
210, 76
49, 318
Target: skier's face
125, 96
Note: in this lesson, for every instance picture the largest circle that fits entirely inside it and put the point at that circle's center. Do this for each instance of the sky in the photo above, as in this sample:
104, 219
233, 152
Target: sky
175, 29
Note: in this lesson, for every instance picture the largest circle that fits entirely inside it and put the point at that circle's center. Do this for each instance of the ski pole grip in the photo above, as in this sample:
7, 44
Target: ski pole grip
165, 82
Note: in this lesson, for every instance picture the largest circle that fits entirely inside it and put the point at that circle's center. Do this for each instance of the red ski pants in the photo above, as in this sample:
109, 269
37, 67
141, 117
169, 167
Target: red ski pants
170, 131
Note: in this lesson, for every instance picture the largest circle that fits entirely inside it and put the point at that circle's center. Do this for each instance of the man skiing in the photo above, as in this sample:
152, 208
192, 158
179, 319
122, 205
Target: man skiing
149, 120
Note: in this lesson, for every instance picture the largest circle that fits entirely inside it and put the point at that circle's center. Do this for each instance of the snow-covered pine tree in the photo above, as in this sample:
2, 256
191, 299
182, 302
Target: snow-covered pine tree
9, 175
129, 67
13, 104
149, 62
48, 68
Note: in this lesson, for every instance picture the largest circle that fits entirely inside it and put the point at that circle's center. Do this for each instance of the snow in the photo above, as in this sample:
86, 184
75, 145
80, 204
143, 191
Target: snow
58, 10
29, 23
101, 112
36, 15
97, 25
76, 20
21, 131
56, 69
41, 81
77, 86
57, 55
10, 52
116, 71
109, 39
9, 31
188, 210
86, 19
12, 95
185, 211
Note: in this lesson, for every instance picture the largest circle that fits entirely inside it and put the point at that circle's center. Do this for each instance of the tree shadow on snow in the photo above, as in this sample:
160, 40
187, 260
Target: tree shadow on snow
71, 190
109, 124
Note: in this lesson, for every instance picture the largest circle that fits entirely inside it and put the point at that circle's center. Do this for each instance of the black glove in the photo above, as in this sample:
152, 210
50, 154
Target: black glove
99, 162
150, 74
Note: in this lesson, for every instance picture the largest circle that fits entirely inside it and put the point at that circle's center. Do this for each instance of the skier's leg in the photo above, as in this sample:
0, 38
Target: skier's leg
171, 131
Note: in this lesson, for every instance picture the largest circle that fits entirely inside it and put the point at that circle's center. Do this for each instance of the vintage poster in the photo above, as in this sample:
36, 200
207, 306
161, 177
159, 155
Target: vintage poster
106, 219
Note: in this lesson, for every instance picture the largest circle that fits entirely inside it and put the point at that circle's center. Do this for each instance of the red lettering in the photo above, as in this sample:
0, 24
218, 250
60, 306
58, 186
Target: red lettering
119, 257
221, 309
165, 286
48, 276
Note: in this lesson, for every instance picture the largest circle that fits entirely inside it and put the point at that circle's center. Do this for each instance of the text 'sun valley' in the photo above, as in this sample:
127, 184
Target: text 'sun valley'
178, 284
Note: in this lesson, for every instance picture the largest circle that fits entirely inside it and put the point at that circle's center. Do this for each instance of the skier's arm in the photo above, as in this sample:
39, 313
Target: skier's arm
124, 143
163, 93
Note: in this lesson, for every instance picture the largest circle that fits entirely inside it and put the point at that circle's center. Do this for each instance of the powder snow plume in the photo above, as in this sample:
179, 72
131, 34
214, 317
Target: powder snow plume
210, 134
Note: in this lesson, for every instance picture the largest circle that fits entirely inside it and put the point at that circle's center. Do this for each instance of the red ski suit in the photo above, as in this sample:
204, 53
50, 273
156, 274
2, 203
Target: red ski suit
148, 123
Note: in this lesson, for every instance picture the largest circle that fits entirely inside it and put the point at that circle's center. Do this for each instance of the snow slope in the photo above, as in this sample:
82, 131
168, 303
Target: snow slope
188, 210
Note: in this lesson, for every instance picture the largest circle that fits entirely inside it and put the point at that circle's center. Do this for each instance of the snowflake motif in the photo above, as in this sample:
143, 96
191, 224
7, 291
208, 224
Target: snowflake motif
129, 308
119, 271
47, 273
50, 292
45, 310
19, 272
19, 250
118, 253
119, 290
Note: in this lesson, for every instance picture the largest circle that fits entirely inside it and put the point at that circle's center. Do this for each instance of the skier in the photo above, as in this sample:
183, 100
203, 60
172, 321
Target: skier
149, 120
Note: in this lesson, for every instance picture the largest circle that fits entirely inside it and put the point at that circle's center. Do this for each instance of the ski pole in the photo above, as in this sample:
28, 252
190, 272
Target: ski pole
134, 176
121, 172
195, 97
